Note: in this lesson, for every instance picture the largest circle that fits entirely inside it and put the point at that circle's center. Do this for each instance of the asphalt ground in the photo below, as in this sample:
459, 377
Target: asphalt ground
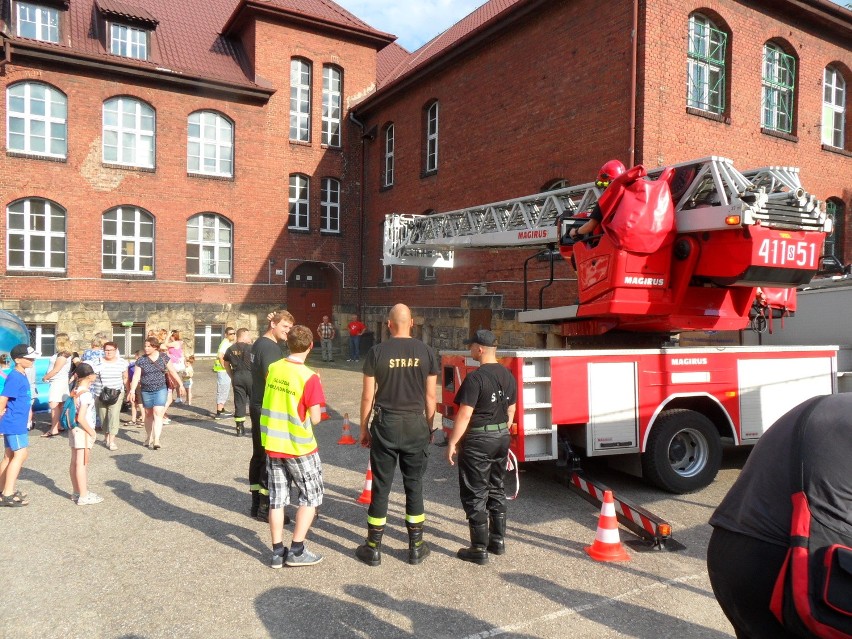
172, 552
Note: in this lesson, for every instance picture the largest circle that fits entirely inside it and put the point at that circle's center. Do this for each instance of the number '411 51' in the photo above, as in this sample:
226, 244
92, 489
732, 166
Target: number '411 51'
788, 253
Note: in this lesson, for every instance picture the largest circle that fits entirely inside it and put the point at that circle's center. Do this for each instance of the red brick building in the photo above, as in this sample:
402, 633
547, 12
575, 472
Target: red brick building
189, 165
533, 93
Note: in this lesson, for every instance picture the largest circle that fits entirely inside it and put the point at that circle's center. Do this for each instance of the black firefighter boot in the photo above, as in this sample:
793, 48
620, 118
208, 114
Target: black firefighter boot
417, 548
371, 551
255, 502
263, 508
497, 530
477, 553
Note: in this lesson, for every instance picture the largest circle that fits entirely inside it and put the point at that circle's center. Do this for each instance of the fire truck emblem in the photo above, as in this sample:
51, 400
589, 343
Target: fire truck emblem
644, 281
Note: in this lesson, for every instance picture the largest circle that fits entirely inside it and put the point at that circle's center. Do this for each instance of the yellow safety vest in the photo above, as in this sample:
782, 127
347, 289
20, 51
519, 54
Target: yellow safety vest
281, 430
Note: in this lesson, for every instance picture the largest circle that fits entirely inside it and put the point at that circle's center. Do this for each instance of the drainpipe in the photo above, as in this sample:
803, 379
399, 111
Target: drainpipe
361, 225
634, 72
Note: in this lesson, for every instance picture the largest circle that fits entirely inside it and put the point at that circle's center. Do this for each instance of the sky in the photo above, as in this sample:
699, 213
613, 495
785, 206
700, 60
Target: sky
415, 22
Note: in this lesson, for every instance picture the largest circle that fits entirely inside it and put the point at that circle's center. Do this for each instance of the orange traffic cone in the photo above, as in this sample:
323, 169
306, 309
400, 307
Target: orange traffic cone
607, 545
346, 437
366, 495
324, 413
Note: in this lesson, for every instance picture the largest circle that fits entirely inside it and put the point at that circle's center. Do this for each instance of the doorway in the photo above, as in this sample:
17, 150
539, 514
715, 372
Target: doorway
311, 290
479, 318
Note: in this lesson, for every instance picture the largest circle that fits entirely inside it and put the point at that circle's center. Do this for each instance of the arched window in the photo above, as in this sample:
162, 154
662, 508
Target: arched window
330, 206
431, 141
833, 108
35, 235
128, 135
210, 144
128, 241
209, 245
332, 103
300, 100
390, 149
555, 185
299, 202
834, 243
779, 81
36, 119
706, 65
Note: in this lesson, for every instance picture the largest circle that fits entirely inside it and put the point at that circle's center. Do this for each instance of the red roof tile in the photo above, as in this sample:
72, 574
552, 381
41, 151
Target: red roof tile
124, 10
389, 59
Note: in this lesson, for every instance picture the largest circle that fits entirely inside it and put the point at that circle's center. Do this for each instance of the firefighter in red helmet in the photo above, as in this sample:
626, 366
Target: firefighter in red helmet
607, 174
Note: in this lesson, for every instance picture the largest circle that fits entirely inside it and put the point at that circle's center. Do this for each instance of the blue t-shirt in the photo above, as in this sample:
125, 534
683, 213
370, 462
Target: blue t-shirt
17, 389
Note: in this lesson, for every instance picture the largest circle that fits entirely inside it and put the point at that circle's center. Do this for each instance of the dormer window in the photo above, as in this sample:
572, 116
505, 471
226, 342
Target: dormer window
127, 41
37, 22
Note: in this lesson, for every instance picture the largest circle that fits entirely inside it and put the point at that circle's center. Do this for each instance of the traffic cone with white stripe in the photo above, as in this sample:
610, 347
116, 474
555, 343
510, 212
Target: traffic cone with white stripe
367, 494
346, 437
607, 545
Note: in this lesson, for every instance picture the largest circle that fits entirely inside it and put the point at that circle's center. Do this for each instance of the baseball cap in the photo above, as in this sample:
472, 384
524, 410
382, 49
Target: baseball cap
483, 338
84, 370
23, 351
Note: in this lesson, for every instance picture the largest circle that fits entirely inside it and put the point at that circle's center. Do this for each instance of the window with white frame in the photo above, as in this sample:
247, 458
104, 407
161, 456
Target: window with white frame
35, 235
706, 65
43, 338
300, 100
210, 144
128, 241
128, 42
36, 119
428, 272
129, 339
833, 108
387, 273
299, 202
37, 22
208, 245
330, 206
207, 338
332, 101
779, 77
432, 137
128, 135
389, 155
834, 210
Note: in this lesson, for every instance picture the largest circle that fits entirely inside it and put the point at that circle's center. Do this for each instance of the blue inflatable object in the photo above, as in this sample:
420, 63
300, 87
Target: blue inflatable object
12, 332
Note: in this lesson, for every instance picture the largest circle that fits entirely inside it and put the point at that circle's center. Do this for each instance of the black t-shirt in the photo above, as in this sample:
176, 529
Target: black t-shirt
758, 504
401, 366
239, 357
596, 213
264, 351
490, 389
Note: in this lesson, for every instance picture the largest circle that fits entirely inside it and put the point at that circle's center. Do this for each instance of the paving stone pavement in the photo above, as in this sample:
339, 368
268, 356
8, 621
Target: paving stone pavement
172, 552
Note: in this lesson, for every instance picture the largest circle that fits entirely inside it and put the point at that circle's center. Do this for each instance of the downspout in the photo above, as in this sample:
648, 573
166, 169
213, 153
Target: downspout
361, 225
634, 72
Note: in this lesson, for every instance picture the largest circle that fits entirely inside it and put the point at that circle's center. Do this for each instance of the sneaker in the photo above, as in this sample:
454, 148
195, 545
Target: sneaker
278, 557
90, 499
307, 558
224, 414
166, 421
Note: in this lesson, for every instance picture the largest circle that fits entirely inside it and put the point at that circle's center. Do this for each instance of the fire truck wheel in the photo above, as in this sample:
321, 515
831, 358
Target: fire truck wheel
684, 452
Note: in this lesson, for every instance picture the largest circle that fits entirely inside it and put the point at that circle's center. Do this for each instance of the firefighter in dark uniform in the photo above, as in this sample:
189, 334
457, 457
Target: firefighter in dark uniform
400, 377
486, 401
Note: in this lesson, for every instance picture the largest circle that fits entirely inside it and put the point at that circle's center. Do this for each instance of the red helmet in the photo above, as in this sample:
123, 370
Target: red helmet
609, 172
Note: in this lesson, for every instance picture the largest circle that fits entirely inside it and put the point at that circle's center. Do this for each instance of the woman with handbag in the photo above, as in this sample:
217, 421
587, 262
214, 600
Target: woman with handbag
150, 377
108, 391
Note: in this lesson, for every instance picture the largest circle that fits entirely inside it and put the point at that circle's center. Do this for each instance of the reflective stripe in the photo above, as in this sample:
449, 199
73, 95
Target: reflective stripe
377, 521
281, 430
415, 519
284, 417
275, 434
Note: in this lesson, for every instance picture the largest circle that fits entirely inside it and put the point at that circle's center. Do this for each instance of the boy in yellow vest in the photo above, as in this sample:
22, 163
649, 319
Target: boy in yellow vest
292, 404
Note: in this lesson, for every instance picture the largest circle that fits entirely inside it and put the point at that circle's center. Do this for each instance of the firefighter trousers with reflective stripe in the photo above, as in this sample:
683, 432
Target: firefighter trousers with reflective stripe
257, 464
400, 438
482, 465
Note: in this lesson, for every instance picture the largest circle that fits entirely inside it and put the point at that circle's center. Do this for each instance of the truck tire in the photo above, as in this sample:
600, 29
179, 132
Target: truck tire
684, 452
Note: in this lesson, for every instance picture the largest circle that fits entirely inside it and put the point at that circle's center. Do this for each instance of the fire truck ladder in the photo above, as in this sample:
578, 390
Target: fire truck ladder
707, 193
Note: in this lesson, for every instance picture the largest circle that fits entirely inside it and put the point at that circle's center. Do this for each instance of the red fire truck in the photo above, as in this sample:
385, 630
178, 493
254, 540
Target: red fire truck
663, 411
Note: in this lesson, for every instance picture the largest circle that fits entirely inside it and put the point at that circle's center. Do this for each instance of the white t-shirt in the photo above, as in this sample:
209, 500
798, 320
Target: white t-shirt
110, 374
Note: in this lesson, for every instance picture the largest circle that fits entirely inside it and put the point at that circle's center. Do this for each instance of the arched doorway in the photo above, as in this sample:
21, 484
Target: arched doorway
311, 291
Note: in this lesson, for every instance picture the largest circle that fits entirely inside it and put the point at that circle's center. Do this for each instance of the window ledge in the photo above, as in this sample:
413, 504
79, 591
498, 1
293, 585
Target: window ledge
129, 167
300, 143
779, 134
330, 233
834, 149
298, 230
209, 176
426, 174
128, 276
36, 156
709, 115
34, 273
385, 187
216, 279
332, 147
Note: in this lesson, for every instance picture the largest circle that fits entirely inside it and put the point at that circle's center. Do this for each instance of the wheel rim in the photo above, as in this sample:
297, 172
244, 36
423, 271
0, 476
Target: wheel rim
688, 452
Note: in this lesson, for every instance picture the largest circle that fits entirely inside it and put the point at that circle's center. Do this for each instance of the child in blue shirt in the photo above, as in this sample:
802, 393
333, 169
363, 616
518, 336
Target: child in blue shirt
15, 402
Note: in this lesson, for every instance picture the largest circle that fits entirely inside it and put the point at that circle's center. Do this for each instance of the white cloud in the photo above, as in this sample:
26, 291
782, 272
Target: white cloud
414, 22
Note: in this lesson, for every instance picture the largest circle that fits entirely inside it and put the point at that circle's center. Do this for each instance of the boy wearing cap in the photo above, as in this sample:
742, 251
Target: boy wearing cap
15, 404
486, 400
82, 437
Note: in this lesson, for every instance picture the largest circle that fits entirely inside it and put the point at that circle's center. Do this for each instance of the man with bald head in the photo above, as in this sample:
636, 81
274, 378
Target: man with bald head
400, 378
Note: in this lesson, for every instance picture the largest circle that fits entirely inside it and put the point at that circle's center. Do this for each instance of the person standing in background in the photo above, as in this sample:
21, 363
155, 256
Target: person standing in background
326, 332
237, 361
223, 381
57, 375
111, 373
356, 330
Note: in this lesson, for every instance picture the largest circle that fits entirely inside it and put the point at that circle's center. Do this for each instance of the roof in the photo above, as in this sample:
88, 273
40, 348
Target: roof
389, 58
185, 49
